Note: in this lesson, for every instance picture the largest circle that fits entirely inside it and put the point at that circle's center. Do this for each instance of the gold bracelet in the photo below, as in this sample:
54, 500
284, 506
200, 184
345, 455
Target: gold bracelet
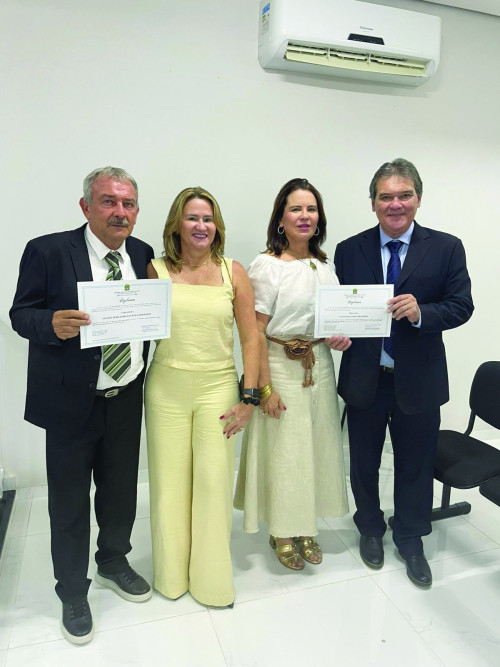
265, 392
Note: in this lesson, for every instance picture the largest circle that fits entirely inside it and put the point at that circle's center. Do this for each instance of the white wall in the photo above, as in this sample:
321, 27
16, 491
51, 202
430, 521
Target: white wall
172, 92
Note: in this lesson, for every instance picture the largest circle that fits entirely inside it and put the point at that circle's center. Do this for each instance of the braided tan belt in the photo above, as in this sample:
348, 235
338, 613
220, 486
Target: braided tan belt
300, 349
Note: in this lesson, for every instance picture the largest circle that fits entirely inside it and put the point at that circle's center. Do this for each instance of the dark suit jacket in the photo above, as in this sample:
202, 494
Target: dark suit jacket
435, 273
61, 377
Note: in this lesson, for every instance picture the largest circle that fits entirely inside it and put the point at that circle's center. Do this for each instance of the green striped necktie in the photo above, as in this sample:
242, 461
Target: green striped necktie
116, 358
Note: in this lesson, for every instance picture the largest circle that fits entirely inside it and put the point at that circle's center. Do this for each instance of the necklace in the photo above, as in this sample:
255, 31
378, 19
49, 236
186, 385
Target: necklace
195, 267
304, 260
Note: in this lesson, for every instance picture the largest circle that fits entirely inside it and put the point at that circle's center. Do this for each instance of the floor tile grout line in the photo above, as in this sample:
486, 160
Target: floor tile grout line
26, 534
15, 590
217, 636
297, 591
462, 555
471, 522
120, 627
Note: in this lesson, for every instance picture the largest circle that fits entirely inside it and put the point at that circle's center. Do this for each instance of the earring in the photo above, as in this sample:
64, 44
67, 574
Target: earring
316, 233
281, 229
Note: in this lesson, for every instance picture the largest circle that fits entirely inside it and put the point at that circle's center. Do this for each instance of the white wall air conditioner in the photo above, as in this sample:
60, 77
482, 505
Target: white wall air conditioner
485, 6
350, 39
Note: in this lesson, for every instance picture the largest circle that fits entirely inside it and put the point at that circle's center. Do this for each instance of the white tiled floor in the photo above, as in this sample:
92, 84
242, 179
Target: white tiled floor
338, 613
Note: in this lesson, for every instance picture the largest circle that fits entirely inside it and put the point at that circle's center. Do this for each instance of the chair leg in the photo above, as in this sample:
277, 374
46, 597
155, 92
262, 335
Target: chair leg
445, 498
446, 511
344, 415
456, 509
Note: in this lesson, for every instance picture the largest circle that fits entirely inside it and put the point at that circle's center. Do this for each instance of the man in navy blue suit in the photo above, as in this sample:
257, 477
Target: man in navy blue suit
400, 381
92, 416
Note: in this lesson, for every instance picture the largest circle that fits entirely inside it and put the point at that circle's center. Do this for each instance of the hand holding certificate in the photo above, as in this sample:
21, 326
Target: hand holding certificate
122, 311
357, 311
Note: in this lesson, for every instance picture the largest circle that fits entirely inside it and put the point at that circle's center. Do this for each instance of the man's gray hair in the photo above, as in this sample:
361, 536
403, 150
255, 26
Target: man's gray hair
107, 172
398, 167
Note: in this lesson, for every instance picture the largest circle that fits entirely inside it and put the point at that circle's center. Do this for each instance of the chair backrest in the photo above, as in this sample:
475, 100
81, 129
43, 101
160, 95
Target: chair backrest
484, 398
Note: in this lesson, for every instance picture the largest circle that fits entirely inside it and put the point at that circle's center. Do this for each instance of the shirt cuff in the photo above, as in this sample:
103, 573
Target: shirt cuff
418, 324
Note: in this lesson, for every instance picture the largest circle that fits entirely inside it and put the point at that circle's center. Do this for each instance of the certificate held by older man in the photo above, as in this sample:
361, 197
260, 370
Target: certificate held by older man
357, 311
122, 311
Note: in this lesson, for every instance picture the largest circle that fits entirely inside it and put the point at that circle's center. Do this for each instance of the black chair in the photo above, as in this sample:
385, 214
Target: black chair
344, 415
463, 462
491, 490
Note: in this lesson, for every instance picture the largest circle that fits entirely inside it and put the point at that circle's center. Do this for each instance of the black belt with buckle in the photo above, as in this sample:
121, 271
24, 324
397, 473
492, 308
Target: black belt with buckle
109, 393
387, 369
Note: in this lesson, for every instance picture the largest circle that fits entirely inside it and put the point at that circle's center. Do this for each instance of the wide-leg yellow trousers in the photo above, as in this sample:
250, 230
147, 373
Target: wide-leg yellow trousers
191, 472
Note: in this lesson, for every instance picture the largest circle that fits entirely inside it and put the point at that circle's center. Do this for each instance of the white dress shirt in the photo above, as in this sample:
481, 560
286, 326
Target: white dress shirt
100, 269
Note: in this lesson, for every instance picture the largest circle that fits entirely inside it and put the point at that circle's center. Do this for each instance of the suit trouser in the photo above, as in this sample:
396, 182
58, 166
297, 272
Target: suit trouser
107, 447
191, 475
414, 440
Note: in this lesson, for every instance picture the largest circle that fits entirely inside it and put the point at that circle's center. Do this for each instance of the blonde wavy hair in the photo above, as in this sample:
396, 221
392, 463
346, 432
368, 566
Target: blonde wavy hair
171, 237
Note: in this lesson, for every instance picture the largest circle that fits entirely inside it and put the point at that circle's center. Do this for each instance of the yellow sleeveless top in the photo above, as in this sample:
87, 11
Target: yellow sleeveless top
201, 332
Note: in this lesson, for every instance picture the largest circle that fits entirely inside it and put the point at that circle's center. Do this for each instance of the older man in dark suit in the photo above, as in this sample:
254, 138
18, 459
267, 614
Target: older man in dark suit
400, 381
89, 401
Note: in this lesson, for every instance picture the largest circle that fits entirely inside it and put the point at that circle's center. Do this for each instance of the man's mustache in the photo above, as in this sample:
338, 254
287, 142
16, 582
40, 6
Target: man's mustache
118, 222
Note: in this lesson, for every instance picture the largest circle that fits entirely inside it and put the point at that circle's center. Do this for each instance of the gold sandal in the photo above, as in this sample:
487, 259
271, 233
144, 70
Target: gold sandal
287, 555
309, 547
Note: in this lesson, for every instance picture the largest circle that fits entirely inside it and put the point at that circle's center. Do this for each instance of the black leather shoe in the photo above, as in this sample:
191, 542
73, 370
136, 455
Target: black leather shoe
418, 570
77, 625
128, 584
371, 551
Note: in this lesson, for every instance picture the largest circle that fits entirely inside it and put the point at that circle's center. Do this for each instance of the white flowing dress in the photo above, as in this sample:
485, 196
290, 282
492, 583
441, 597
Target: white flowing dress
292, 469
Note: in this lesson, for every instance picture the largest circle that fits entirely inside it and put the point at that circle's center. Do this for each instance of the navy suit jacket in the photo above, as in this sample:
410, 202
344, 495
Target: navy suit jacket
435, 272
62, 377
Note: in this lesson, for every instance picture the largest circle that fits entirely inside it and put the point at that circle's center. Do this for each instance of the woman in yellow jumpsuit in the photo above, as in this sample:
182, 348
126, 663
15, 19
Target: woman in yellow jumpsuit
193, 405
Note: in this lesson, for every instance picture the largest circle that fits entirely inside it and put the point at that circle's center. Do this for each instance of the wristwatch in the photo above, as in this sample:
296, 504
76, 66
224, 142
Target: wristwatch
250, 396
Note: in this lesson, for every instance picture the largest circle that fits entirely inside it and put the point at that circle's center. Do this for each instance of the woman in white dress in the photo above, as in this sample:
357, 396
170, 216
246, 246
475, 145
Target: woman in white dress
292, 467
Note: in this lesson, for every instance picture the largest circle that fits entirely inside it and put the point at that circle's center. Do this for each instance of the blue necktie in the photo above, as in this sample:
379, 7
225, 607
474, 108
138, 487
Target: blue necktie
393, 271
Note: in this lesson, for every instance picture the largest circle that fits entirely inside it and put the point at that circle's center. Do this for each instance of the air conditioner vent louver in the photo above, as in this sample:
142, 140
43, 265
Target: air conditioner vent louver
359, 61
